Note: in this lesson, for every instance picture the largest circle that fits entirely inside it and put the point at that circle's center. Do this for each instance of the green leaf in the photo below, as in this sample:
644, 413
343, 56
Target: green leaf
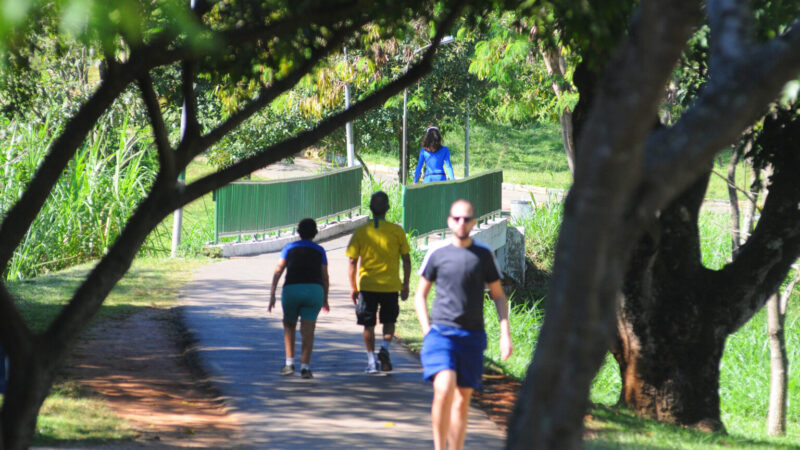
791, 92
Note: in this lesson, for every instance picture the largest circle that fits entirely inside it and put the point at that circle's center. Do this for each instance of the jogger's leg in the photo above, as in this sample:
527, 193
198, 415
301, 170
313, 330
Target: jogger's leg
444, 386
458, 418
307, 334
289, 329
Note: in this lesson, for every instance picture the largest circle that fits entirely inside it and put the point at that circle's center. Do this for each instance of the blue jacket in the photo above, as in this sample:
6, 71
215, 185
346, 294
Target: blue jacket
437, 165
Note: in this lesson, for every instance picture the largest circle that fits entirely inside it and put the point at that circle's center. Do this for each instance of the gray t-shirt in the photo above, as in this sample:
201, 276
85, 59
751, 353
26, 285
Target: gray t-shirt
461, 275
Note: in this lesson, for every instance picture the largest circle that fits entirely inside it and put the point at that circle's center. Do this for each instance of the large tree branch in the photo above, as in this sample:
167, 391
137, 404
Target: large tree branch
14, 333
166, 156
730, 23
89, 296
733, 100
766, 257
269, 93
164, 198
115, 80
305, 139
190, 127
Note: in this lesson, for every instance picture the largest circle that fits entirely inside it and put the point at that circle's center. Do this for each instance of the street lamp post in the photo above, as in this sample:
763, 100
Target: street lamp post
349, 125
403, 149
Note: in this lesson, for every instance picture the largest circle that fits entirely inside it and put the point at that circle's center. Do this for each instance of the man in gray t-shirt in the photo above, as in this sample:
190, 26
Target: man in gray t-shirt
452, 351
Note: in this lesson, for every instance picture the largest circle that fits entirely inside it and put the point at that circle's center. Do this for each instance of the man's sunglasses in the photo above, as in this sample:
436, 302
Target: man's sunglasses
462, 218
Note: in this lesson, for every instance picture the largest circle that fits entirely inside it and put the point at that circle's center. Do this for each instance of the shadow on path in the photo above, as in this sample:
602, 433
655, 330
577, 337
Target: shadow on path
241, 347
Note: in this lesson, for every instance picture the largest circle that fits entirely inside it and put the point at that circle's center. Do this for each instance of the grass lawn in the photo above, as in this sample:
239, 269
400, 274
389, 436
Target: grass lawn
70, 414
532, 155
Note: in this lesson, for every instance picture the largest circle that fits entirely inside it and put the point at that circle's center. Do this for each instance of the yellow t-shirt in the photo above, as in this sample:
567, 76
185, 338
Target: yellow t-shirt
379, 249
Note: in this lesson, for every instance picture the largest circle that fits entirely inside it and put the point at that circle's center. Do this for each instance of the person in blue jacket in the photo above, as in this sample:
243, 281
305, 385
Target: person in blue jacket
435, 157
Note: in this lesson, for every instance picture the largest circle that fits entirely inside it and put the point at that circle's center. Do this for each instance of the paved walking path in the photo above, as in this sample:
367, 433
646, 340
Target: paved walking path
241, 346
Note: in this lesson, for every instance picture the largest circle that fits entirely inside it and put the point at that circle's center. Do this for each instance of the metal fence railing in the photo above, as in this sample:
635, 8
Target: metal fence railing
253, 207
426, 206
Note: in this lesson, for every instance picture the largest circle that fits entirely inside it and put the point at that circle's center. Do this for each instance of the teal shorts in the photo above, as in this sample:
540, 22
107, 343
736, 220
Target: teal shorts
301, 300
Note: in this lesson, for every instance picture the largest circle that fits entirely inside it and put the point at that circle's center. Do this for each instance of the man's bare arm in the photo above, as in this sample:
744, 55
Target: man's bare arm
501, 305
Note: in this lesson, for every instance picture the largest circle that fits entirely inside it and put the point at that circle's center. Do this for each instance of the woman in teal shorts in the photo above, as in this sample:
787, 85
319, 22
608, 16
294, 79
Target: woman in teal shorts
305, 292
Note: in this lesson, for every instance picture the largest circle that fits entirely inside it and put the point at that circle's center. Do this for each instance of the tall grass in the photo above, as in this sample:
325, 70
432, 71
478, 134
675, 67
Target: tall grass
87, 207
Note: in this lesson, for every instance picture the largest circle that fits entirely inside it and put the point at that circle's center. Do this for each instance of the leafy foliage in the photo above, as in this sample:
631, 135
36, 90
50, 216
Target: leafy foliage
521, 91
88, 207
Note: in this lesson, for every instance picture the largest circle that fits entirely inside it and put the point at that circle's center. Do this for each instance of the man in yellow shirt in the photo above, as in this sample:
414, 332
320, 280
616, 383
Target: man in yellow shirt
378, 246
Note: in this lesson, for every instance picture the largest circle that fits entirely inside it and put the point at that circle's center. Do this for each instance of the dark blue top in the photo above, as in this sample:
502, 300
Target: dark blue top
461, 276
437, 164
304, 261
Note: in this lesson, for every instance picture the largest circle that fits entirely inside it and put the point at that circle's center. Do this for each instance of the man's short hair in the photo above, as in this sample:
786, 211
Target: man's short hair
379, 203
307, 228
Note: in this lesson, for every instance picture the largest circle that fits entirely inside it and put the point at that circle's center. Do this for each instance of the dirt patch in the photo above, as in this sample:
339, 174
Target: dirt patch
138, 364
497, 398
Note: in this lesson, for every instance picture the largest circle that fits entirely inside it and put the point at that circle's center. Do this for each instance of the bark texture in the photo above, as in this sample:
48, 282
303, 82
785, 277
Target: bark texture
556, 66
624, 202
668, 362
779, 365
675, 314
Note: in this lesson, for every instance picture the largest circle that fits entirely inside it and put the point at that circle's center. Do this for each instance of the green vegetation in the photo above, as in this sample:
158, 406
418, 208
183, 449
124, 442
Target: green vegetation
70, 413
531, 154
744, 383
88, 206
197, 223
528, 154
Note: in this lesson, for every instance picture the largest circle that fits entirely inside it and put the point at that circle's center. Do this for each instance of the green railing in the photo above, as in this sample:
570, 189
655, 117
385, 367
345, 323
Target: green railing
253, 207
426, 206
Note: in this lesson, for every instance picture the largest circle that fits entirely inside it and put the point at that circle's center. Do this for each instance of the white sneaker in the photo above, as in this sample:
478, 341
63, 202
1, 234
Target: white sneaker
371, 369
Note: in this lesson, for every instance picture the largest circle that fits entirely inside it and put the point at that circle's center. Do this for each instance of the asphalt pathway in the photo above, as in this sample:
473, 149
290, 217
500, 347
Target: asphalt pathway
241, 347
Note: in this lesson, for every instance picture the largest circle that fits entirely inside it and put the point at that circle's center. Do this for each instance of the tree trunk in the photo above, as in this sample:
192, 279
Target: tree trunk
778, 363
556, 66
30, 378
733, 198
566, 137
669, 365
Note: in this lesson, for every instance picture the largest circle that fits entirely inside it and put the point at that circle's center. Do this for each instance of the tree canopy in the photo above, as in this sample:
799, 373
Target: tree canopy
255, 52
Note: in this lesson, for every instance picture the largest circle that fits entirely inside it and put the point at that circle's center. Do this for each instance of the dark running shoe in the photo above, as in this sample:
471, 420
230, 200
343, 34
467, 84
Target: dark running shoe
383, 357
306, 373
287, 369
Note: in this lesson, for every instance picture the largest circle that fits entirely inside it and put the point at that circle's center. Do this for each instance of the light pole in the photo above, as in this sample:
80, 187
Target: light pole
403, 149
349, 125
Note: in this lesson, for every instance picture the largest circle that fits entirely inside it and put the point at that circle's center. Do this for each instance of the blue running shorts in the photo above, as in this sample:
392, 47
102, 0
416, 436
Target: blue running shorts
450, 348
302, 300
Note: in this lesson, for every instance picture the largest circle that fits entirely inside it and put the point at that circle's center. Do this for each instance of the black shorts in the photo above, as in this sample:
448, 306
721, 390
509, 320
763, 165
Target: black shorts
368, 307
